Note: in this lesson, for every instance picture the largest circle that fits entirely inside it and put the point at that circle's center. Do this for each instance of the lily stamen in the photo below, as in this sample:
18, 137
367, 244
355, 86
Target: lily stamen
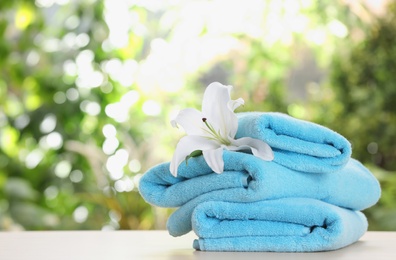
211, 139
216, 135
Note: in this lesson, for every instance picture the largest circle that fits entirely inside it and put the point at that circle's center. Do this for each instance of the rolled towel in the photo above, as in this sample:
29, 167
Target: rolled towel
247, 178
297, 144
284, 225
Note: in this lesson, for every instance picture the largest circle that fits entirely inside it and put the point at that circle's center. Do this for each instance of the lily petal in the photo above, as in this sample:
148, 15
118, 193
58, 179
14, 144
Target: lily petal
214, 158
234, 104
259, 148
186, 146
191, 121
233, 120
215, 106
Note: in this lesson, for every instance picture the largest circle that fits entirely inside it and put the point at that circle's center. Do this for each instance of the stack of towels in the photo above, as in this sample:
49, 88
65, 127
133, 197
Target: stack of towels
309, 198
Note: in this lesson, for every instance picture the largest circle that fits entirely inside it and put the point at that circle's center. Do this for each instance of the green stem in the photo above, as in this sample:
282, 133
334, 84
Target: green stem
215, 134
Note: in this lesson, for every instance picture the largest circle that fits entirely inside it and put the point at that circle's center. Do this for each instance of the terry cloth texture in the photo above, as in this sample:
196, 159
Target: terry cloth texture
247, 178
307, 199
297, 144
284, 225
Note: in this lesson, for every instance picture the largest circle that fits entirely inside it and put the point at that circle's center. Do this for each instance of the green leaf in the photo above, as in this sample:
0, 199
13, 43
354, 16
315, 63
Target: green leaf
195, 153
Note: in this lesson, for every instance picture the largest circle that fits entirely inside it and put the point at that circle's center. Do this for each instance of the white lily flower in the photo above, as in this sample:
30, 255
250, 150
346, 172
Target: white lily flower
213, 130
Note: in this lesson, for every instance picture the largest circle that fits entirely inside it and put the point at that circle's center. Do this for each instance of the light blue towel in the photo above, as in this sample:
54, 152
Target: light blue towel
297, 144
247, 178
284, 225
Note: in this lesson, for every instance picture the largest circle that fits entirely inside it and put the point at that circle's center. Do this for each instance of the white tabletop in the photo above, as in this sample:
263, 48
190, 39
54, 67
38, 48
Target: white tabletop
159, 245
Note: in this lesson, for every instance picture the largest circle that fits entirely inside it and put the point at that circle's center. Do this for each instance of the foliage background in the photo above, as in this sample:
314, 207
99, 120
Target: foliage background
87, 90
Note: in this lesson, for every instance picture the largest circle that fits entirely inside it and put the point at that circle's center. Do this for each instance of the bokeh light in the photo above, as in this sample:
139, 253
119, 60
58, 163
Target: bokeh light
88, 89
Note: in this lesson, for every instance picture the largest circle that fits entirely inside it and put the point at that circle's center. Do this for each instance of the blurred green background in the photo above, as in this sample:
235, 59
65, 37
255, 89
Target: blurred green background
88, 87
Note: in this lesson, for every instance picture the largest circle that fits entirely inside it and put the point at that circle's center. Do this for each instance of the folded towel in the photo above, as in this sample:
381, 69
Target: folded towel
284, 225
247, 178
297, 144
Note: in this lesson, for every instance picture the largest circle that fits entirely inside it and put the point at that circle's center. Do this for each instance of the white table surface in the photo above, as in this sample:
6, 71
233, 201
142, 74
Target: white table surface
159, 245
